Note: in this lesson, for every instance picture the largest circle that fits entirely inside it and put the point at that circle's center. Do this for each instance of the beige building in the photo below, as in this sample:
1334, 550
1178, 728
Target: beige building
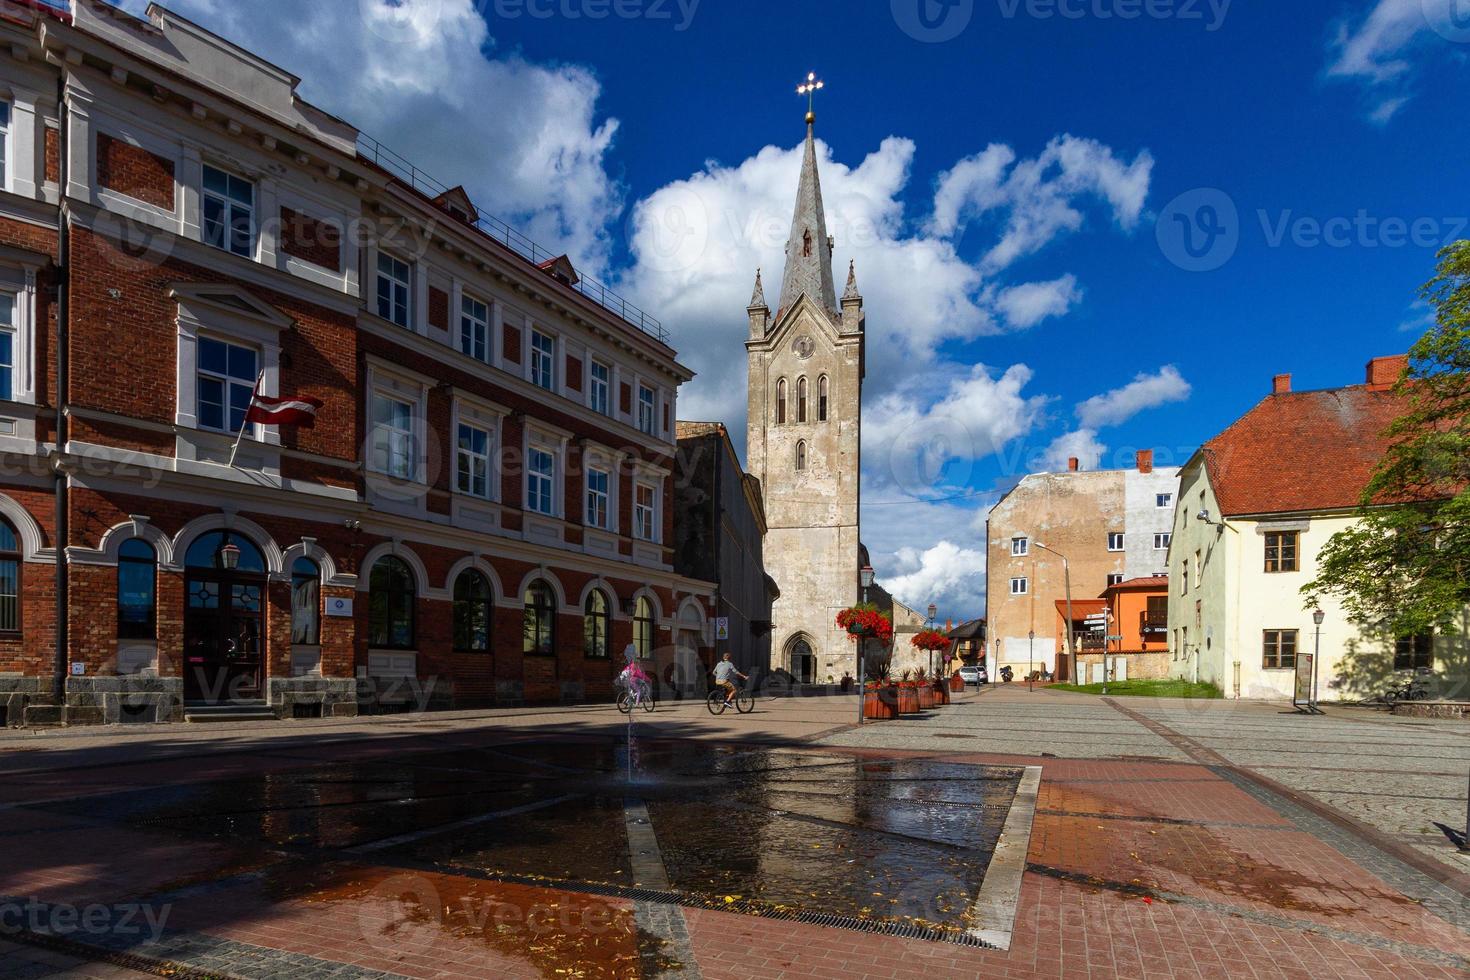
805, 383
1112, 525
1256, 505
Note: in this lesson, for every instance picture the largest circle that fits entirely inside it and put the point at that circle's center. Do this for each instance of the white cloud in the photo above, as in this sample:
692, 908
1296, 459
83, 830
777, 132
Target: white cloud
1377, 49
1144, 392
1081, 444
1028, 304
1039, 195
950, 576
525, 139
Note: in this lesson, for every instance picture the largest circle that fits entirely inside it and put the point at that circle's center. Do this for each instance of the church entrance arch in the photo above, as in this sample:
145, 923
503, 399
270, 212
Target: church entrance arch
801, 660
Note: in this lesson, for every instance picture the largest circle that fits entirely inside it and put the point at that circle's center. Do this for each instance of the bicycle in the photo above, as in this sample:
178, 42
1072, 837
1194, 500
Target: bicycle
636, 695
744, 701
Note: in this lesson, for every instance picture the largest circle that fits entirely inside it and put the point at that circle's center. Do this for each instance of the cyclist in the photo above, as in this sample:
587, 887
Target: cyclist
723, 671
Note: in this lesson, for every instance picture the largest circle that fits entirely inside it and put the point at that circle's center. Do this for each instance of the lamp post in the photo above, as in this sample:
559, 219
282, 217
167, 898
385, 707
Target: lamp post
865, 578
933, 612
1317, 617
1071, 632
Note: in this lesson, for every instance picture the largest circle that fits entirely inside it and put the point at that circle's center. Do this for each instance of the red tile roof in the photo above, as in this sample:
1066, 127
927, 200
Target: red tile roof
1081, 607
1149, 582
1302, 451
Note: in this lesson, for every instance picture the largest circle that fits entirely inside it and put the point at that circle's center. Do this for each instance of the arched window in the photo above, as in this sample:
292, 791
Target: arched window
137, 590
643, 628
306, 602
471, 612
781, 402
540, 621
801, 455
391, 595
597, 626
207, 551
10, 565
822, 398
801, 399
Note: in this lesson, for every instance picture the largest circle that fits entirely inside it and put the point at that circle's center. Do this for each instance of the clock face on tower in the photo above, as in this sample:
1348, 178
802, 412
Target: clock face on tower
803, 347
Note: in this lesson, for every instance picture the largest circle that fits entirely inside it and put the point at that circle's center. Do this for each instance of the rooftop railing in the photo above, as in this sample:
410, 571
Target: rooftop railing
381, 156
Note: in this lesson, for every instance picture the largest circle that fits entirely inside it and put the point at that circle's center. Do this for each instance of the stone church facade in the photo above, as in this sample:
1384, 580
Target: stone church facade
805, 389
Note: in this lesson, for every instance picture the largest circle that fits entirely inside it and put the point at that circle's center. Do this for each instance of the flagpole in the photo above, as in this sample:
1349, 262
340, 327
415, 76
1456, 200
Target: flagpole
245, 421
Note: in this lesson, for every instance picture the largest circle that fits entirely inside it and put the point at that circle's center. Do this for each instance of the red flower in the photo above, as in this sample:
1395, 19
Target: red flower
931, 640
868, 621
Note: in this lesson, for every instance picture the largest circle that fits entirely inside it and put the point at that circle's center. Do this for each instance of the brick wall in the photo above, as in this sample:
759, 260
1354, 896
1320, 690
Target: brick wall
512, 345
574, 373
311, 240
438, 308
52, 155
133, 171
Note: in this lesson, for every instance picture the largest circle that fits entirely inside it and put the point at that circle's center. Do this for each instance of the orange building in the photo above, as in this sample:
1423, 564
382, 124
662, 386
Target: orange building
1137, 611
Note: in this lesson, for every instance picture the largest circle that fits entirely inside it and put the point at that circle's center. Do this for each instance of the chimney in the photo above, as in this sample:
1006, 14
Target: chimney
1072, 464
1145, 460
1281, 384
1384, 372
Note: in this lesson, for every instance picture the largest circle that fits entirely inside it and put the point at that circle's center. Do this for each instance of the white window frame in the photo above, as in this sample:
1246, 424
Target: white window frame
596, 497
542, 363
648, 427
410, 434
405, 284
1021, 586
599, 392
228, 382
1020, 547
1115, 578
230, 206
7, 154
9, 328
471, 324
1164, 501
1121, 541
485, 459
1162, 539
645, 518
534, 478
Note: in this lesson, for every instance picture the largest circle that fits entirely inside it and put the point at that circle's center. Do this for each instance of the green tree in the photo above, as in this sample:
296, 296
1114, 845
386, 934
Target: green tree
1404, 569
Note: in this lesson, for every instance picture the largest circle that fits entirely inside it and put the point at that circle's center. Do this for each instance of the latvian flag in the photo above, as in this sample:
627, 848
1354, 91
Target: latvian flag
300, 410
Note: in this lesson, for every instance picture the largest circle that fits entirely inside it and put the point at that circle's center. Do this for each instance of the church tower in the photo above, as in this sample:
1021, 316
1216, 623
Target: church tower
806, 376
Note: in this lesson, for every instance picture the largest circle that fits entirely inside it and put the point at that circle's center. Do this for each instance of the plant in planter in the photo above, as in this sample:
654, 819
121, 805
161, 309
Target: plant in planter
865, 621
908, 694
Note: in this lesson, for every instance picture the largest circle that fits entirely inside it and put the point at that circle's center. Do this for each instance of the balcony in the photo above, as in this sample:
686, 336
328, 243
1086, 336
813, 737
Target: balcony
1153, 624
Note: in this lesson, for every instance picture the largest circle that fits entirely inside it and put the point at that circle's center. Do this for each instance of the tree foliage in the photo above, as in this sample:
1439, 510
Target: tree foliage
1404, 568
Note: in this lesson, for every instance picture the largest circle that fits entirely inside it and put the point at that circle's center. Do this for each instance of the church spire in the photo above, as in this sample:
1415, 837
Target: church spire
809, 249
758, 298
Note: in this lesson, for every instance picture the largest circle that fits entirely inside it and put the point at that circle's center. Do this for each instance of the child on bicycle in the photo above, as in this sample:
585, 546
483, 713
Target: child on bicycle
724, 670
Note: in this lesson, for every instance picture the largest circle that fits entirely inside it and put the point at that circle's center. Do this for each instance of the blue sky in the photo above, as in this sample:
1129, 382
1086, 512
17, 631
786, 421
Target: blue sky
1002, 192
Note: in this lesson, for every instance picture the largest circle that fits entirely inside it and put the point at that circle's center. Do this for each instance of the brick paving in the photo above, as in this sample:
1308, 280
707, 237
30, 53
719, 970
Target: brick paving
1144, 860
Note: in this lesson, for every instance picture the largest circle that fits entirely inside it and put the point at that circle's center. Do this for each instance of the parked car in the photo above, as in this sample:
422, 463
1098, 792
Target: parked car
974, 674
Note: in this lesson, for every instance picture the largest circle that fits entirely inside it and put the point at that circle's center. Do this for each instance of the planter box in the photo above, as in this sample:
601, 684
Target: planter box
926, 695
941, 693
880, 704
957, 684
908, 699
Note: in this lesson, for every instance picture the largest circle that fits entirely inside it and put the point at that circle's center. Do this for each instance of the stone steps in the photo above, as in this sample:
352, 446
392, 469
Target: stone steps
243, 711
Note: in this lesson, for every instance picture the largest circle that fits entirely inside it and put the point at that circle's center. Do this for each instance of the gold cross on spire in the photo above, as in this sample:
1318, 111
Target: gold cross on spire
810, 88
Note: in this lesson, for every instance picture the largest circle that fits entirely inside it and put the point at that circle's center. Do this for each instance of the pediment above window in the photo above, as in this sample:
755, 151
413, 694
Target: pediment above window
199, 300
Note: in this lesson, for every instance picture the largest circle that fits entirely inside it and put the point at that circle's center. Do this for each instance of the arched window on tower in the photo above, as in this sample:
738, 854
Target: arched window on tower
801, 399
781, 402
822, 398
801, 455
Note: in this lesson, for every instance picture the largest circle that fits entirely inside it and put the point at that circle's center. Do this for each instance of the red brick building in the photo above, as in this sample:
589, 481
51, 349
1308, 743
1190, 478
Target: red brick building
481, 513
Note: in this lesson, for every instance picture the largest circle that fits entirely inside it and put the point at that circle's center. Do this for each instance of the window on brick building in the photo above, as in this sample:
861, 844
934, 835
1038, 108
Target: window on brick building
597, 626
1161, 541
1281, 551
1115, 540
540, 620
395, 287
781, 402
472, 460
644, 505
598, 392
598, 482
1414, 652
392, 595
643, 628
1115, 578
474, 328
801, 399
822, 398
471, 612
7, 347
543, 360
137, 587
1020, 547
1164, 501
227, 207
5, 145
392, 437
1279, 650
541, 482
10, 570
225, 378
306, 602
1020, 586
647, 398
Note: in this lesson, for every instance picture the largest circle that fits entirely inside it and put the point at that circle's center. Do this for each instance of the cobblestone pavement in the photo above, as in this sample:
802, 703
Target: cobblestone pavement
1164, 845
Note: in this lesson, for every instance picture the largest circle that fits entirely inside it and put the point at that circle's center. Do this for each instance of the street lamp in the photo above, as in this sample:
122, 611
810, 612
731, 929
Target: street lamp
1071, 634
229, 556
1317, 617
865, 579
933, 612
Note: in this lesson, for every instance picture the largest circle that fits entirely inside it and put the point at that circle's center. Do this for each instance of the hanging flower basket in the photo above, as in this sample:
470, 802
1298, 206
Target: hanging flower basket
931, 640
865, 621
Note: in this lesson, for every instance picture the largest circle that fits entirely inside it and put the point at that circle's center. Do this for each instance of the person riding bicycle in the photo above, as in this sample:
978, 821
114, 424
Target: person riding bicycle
633, 677
723, 671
